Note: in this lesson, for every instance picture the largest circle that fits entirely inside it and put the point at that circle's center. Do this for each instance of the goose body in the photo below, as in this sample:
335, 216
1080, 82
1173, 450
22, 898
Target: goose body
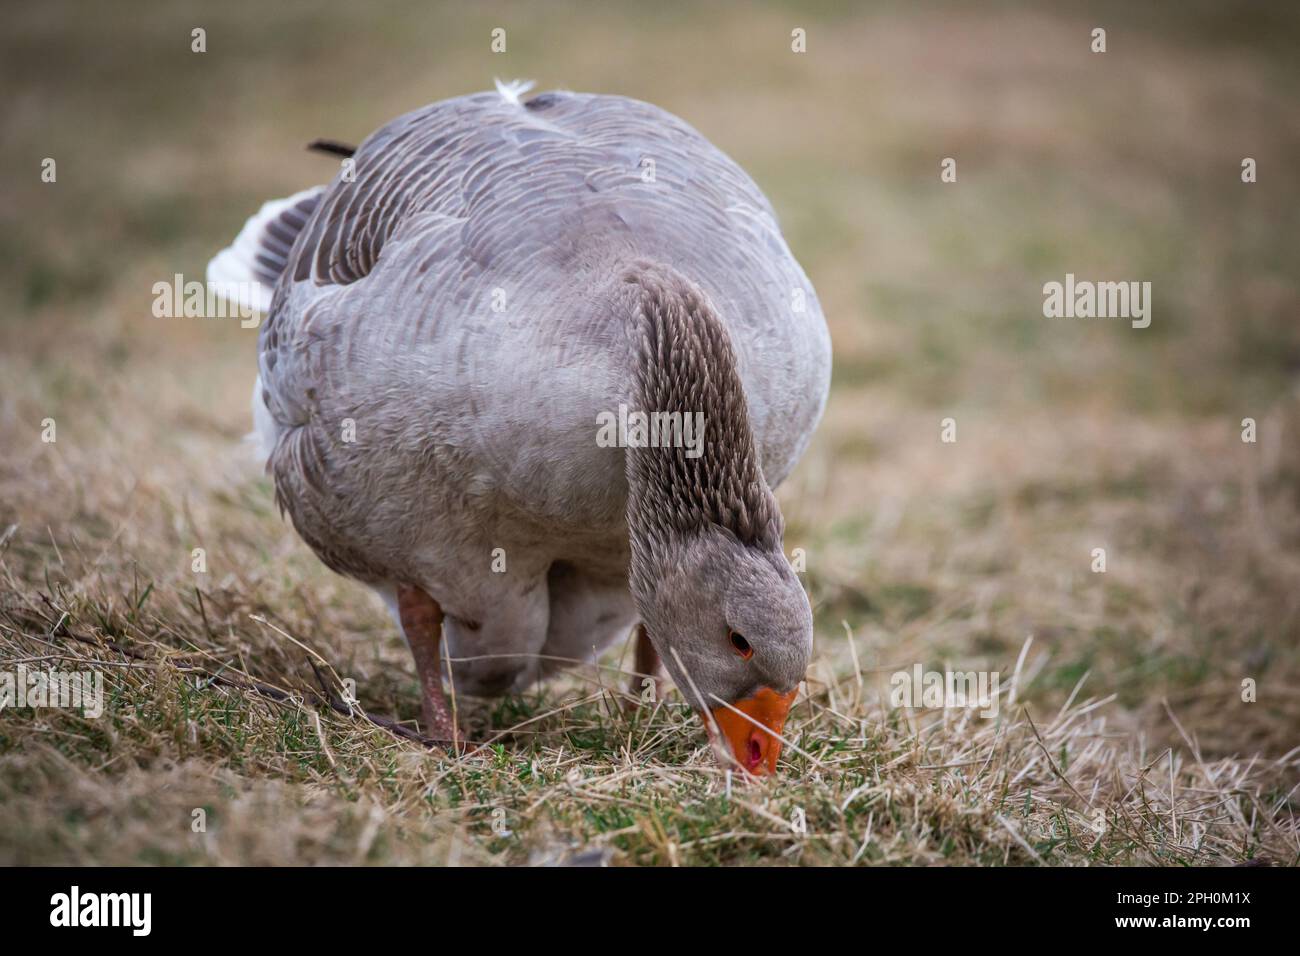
453, 317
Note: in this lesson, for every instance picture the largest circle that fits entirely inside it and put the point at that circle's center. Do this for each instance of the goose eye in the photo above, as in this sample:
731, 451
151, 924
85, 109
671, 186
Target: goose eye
741, 645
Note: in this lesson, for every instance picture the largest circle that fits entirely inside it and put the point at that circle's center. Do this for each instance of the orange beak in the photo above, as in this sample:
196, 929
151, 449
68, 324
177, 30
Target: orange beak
754, 747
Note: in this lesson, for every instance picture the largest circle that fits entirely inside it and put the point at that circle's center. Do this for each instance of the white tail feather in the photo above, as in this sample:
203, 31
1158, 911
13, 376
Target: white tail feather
244, 272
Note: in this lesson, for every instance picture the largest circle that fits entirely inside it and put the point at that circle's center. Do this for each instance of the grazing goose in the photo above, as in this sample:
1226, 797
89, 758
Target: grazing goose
457, 327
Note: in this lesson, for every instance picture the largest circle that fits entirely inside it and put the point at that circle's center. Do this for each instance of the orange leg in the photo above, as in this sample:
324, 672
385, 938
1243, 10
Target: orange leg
422, 621
646, 664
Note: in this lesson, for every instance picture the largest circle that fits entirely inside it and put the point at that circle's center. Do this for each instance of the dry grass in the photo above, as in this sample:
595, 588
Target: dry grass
282, 777
1127, 741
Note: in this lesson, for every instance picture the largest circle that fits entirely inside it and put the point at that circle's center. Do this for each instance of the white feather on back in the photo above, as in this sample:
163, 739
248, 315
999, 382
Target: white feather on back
511, 90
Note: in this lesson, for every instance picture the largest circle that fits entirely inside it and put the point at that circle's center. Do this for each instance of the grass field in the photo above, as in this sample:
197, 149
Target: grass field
1121, 735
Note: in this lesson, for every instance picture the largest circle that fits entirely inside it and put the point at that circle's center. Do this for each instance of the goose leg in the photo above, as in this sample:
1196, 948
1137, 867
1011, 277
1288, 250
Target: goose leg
646, 663
422, 623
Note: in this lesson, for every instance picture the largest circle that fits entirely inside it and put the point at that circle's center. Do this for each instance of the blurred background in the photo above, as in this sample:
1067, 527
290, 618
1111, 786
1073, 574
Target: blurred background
1072, 434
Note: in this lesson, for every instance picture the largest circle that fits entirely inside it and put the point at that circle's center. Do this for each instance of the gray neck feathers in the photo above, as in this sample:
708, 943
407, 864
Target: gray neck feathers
685, 364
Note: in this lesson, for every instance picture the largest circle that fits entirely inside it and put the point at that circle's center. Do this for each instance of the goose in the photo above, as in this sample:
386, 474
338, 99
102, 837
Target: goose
448, 322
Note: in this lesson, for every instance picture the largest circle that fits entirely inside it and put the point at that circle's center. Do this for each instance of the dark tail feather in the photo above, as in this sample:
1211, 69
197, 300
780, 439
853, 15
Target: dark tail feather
331, 146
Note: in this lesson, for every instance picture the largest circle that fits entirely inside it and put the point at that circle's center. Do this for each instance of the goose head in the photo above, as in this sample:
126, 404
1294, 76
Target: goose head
734, 629
718, 598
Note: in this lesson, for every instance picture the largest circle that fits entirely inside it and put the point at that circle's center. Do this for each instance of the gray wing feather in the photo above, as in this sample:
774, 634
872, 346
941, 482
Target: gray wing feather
387, 311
